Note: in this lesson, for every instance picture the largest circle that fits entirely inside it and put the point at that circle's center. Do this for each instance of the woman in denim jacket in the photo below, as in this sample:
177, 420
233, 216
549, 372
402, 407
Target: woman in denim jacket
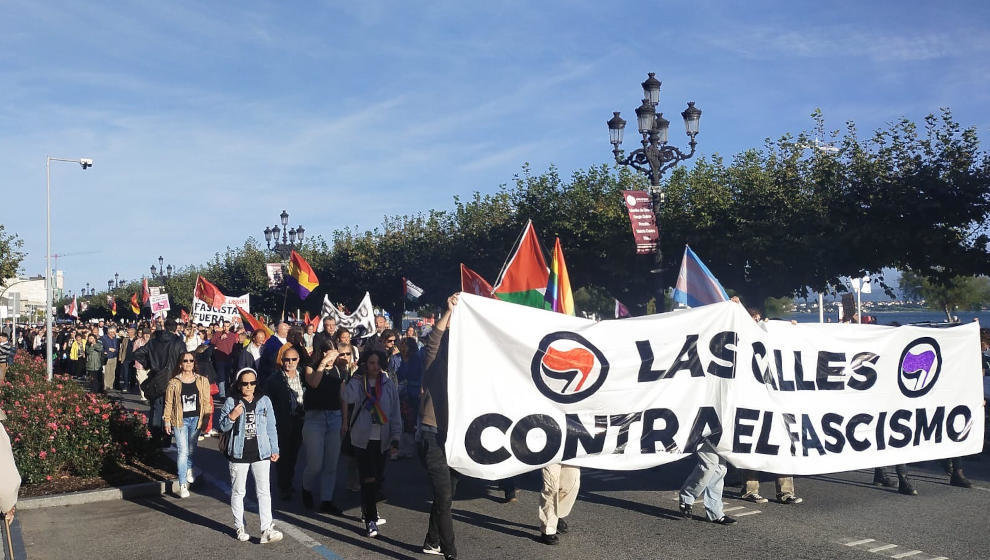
253, 445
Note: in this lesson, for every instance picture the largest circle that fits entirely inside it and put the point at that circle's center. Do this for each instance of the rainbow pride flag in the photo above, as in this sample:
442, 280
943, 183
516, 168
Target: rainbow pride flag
558, 294
301, 276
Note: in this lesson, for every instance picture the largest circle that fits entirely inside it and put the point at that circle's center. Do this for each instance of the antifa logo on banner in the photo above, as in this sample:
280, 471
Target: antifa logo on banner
918, 369
567, 368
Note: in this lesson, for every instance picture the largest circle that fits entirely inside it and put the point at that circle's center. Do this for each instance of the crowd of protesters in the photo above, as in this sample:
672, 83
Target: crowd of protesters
350, 405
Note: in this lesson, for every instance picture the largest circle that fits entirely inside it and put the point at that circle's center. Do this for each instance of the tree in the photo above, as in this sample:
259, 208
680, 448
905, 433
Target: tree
959, 292
10, 254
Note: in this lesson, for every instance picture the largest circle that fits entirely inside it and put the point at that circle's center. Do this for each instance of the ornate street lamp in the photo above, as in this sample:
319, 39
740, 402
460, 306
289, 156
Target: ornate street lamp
109, 285
284, 245
656, 156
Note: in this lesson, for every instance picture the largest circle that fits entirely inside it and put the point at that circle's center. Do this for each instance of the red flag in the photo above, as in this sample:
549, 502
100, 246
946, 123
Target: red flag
209, 293
306, 317
315, 321
134, 304
145, 292
473, 283
184, 316
253, 322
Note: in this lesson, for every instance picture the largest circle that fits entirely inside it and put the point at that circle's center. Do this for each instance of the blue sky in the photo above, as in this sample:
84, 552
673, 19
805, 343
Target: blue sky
206, 122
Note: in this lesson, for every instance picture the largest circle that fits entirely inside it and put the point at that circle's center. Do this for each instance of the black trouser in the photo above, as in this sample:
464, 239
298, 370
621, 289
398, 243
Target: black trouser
901, 471
289, 442
444, 481
96, 380
370, 463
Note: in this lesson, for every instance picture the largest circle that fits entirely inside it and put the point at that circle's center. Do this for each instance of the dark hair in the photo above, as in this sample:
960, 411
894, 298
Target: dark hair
170, 325
410, 344
341, 330
178, 364
237, 381
363, 360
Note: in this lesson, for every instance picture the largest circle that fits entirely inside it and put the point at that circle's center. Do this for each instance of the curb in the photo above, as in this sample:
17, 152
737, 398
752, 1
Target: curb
127, 492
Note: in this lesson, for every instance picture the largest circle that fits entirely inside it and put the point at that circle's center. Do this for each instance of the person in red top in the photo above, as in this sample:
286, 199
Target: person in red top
223, 342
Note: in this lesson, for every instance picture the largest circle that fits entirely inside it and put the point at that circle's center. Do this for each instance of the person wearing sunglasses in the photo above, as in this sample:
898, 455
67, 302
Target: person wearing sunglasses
285, 389
188, 406
252, 444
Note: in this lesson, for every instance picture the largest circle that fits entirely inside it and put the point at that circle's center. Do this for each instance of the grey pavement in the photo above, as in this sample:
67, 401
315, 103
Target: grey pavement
618, 515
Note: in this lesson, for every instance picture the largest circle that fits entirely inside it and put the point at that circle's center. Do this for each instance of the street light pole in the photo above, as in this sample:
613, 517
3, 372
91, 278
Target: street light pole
86, 163
656, 156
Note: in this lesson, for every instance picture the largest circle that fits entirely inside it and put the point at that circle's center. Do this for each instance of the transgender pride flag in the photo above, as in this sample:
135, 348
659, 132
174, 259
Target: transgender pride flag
696, 285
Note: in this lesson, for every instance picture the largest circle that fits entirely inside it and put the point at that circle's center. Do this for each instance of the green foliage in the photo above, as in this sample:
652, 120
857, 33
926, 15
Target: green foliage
777, 307
959, 292
56, 428
10, 253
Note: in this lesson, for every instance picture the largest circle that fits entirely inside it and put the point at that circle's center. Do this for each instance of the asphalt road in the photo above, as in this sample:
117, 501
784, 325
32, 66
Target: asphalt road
618, 515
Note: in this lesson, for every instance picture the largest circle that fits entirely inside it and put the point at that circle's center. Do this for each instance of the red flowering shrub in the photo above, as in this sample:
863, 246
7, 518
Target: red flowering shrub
58, 428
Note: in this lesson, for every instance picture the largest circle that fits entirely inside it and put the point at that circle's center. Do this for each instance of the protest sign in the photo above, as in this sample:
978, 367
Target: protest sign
204, 314
159, 304
529, 388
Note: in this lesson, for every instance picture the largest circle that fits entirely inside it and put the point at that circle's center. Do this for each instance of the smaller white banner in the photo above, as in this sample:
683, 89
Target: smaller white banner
159, 304
361, 323
274, 271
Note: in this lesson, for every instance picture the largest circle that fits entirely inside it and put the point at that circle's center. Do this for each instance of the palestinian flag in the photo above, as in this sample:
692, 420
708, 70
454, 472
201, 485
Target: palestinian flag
524, 279
135, 308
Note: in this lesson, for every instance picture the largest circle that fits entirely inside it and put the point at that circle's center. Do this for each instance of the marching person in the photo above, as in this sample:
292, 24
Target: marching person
374, 399
94, 362
285, 390
560, 489
707, 478
252, 445
160, 357
324, 426
111, 350
188, 406
443, 479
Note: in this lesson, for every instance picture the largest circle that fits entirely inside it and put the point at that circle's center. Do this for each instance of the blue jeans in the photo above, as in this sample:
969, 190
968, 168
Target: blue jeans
321, 437
186, 438
223, 372
706, 479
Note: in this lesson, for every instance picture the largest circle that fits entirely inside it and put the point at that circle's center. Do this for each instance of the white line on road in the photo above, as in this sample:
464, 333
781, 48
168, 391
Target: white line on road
737, 508
884, 547
745, 513
906, 554
857, 543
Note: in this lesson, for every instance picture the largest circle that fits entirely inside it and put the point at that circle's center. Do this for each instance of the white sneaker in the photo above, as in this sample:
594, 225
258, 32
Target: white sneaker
183, 490
381, 521
271, 535
242, 535
190, 477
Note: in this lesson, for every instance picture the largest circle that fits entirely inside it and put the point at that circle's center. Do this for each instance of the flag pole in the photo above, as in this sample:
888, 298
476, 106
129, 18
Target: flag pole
285, 296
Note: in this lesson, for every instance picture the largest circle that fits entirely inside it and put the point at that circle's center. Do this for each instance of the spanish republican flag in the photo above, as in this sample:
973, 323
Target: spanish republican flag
524, 279
301, 276
209, 293
253, 322
135, 308
559, 295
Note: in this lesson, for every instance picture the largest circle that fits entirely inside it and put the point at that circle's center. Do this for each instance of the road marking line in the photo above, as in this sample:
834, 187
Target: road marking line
940, 558
745, 513
734, 508
906, 554
286, 527
859, 542
884, 547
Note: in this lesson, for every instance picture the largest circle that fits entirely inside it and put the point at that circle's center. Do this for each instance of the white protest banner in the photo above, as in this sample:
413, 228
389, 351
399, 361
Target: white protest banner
528, 388
361, 323
204, 314
159, 304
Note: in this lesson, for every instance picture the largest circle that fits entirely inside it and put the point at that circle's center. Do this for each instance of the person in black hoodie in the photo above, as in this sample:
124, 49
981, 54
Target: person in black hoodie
285, 389
160, 358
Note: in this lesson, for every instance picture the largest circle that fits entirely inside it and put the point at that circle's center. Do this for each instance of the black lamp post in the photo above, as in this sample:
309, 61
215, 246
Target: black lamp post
109, 285
161, 272
656, 156
116, 279
287, 243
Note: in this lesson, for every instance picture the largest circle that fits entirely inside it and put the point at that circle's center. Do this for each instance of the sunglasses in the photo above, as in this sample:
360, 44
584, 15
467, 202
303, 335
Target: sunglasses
188, 361
248, 383
290, 359
391, 341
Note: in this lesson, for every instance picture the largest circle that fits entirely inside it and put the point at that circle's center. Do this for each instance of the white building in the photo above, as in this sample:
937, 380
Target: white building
31, 290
